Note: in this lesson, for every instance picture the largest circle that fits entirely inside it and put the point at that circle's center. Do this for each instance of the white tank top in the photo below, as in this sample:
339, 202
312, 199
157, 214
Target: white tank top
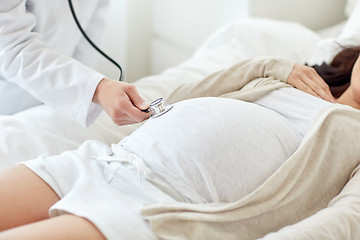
298, 107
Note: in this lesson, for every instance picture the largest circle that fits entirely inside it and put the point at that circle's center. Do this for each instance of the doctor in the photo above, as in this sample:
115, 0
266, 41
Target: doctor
45, 59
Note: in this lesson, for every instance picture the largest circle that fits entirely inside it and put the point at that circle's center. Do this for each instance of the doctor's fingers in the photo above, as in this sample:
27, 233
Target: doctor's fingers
126, 113
123, 122
126, 119
135, 97
137, 115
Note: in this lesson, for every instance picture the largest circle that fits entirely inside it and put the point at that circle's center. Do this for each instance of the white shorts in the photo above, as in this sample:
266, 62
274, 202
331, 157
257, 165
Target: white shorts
110, 195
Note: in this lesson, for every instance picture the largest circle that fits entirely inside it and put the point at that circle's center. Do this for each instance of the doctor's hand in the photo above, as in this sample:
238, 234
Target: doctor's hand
308, 80
121, 101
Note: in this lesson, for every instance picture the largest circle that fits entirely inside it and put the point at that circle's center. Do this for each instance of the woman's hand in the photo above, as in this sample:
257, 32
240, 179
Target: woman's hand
121, 101
308, 80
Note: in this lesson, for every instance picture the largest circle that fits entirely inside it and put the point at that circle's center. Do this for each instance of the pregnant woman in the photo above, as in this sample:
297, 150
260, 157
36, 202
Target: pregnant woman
205, 149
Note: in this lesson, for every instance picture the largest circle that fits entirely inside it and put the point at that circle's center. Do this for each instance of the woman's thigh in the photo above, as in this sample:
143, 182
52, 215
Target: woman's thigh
25, 197
63, 227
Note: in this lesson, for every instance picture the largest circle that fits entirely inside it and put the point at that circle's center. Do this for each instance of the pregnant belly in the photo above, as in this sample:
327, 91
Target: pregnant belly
215, 149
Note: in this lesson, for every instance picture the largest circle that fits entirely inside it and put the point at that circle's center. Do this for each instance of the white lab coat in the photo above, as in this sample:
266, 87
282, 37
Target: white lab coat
37, 38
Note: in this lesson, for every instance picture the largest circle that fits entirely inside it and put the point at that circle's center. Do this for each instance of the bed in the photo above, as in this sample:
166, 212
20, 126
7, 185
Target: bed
225, 47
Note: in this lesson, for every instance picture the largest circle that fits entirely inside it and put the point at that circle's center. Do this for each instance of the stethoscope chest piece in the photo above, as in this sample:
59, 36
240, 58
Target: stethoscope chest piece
157, 108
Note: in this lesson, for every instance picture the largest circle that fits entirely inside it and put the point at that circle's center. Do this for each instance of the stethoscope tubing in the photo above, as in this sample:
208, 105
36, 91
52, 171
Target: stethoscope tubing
121, 77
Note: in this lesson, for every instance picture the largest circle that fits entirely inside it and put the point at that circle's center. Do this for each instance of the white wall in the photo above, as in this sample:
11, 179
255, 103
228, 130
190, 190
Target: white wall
315, 14
127, 39
180, 26
148, 36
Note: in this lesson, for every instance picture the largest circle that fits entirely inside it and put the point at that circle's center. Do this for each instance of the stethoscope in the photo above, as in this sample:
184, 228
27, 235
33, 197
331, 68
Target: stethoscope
121, 77
157, 107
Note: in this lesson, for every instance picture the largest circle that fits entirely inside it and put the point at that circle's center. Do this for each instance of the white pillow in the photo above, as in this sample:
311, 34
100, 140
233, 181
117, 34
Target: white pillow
350, 5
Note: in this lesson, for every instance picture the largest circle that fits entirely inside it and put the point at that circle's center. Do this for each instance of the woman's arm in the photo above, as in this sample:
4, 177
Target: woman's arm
234, 78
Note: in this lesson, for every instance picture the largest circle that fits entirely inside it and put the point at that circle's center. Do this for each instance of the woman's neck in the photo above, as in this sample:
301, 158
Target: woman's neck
348, 99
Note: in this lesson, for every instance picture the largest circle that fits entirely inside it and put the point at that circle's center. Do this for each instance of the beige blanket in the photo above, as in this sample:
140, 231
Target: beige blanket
312, 177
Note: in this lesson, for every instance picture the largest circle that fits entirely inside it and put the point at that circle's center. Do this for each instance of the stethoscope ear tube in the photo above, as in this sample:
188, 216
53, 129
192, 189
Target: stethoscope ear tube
121, 77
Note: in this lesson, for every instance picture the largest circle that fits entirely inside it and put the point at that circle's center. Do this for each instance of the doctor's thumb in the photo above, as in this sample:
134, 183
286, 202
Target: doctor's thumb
136, 99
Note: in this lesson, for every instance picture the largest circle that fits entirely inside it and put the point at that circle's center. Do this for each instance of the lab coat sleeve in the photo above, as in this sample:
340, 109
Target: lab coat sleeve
55, 79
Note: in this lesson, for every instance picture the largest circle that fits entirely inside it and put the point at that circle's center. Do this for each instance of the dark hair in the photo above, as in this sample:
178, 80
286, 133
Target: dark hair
337, 74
